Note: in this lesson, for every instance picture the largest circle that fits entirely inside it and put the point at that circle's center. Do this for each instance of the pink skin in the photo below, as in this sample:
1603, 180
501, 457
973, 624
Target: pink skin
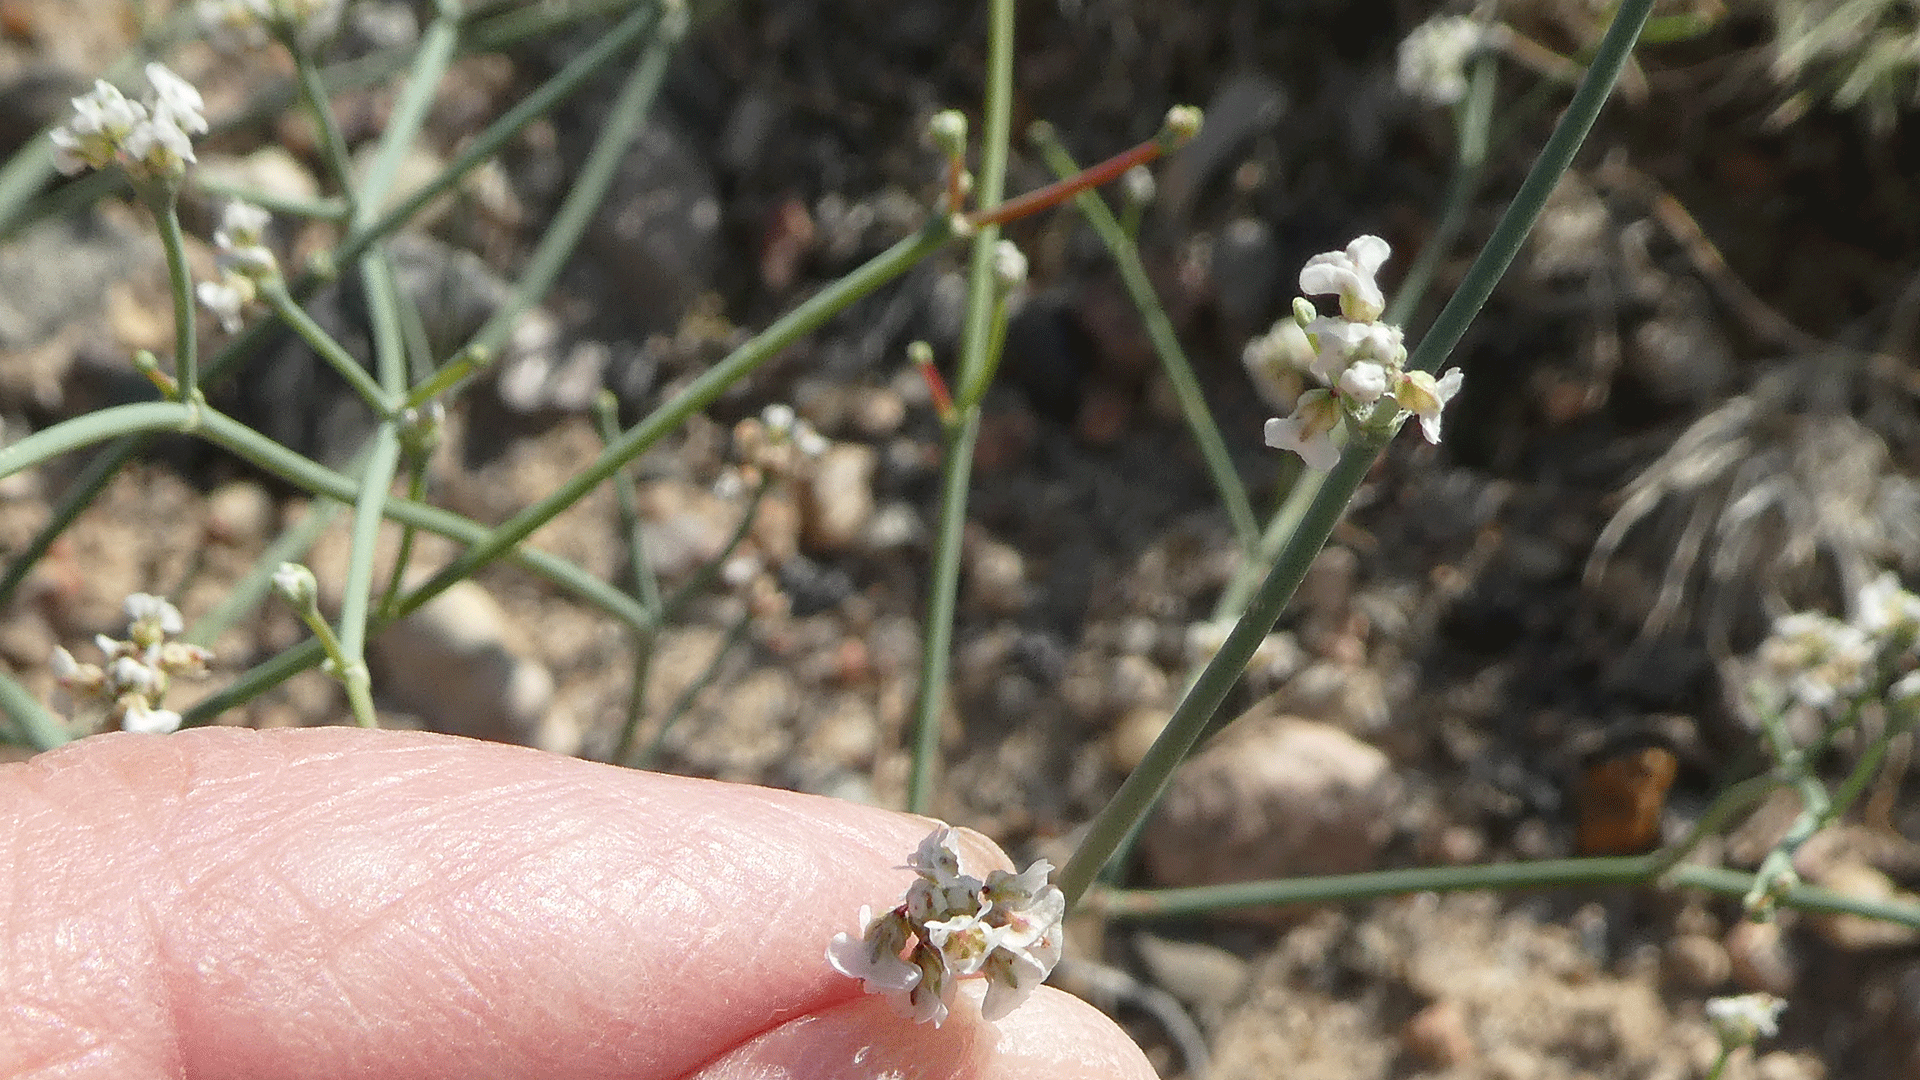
336, 902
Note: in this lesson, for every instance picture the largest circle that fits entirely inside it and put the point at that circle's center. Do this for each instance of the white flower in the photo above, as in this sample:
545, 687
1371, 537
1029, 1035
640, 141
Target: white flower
1884, 607
1364, 382
1817, 657
1738, 1021
242, 224
177, 100
1433, 58
138, 716
148, 609
101, 119
1309, 430
1426, 397
952, 925
157, 146
1009, 265
1905, 690
127, 675
246, 23
1274, 360
1012, 975
874, 957
151, 140
1349, 275
226, 298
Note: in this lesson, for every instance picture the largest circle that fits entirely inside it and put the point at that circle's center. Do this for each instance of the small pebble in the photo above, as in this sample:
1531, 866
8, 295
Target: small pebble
1437, 1036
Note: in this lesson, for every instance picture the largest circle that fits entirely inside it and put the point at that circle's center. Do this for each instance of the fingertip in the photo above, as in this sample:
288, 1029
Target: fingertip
1052, 1036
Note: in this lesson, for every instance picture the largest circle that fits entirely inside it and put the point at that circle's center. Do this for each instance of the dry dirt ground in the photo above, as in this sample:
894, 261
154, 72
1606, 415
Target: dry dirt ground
1716, 311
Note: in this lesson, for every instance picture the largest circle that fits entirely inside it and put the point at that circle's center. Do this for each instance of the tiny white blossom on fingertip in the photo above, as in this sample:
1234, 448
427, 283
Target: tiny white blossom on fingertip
874, 956
137, 716
951, 926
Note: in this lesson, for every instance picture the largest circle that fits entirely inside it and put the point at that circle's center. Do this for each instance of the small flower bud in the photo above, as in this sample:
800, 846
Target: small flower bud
1181, 125
1304, 313
1138, 186
1009, 266
296, 586
947, 130
1742, 1020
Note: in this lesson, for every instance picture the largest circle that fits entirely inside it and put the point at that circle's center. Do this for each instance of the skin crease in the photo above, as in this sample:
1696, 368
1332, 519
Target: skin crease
330, 902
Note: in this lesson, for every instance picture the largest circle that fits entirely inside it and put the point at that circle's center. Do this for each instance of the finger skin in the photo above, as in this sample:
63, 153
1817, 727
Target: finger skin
332, 902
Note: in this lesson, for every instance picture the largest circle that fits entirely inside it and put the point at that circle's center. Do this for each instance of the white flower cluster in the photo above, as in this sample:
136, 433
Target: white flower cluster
1820, 662
1360, 359
129, 687
1739, 1021
245, 260
776, 443
951, 926
150, 140
250, 23
1433, 58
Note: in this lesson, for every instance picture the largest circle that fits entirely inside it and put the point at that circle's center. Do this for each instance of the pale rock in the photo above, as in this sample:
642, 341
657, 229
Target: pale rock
996, 575
462, 664
1857, 933
1696, 962
836, 503
1273, 797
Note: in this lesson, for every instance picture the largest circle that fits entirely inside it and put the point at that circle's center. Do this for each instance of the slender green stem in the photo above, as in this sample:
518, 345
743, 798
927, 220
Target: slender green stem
736, 633
93, 479
250, 445
978, 358
40, 728
1166, 343
589, 189
409, 115
321, 209
1545, 874
495, 136
697, 395
977, 361
318, 103
503, 540
1143, 788
416, 492
376, 486
1504, 245
274, 292
1720, 1064
246, 594
164, 200
1191, 718
646, 584
1719, 813
936, 655
1475, 122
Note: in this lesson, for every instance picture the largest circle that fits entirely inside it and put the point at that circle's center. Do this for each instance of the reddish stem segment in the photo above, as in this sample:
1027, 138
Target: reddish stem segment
1061, 190
937, 388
